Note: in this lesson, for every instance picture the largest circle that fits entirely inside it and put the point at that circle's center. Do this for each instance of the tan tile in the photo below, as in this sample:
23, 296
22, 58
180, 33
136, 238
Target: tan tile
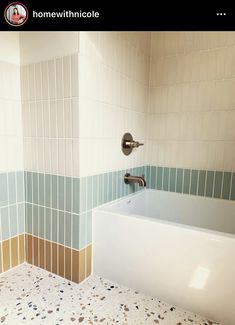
6, 255
88, 260
54, 258
41, 253
22, 256
82, 265
14, 251
75, 262
67, 254
48, 256
61, 260
29, 250
35, 251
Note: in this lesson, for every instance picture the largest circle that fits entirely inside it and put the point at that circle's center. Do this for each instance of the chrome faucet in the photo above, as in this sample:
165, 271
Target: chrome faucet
128, 179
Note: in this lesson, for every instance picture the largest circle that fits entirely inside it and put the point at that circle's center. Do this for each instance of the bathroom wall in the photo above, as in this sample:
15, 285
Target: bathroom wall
191, 134
11, 163
79, 96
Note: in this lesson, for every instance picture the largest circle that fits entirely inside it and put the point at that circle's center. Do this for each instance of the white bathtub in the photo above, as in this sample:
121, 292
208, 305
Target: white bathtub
177, 247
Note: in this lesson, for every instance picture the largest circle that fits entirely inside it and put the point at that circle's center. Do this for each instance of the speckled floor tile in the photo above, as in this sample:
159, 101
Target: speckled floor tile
30, 295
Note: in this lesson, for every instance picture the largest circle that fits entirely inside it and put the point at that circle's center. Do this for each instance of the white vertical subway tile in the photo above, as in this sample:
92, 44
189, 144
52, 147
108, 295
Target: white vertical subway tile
59, 78
52, 79
67, 76
74, 75
45, 80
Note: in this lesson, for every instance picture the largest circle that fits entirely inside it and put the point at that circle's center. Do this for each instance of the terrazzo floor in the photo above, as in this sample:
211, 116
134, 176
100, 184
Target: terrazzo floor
30, 295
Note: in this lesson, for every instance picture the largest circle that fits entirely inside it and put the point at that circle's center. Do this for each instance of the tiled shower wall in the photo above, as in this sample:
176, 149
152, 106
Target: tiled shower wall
192, 111
76, 107
12, 225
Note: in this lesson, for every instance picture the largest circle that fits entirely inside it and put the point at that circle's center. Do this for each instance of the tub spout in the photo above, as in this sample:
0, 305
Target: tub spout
128, 179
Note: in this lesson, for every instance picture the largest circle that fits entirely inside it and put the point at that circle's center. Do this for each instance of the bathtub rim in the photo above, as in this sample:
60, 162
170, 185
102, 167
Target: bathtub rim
167, 223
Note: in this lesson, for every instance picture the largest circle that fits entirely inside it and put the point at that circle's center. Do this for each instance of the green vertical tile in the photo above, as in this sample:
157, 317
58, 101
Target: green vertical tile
89, 227
233, 187
68, 194
186, 185
105, 187
95, 190
100, 196
83, 194
226, 185
75, 231
61, 183
218, 184
54, 225
41, 220
194, 177
148, 176
172, 179
29, 218
20, 186
35, 219
54, 188
68, 229
29, 187
35, 188
121, 182
5, 223
82, 234
153, 177
48, 219
159, 178
61, 228
21, 217
41, 180
12, 187
76, 194
201, 182
115, 192
13, 220
3, 189
48, 190
110, 187
166, 176
209, 183
179, 180
89, 193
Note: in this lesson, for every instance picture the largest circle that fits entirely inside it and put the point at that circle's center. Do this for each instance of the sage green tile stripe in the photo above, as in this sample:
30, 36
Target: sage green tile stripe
48, 223
68, 229
209, 183
76, 194
21, 217
48, 190
4, 214
61, 190
61, 228
166, 176
159, 178
75, 231
226, 185
194, 183
186, 185
41, 222
201, 182
68, 194
153, 177
35, 219
218, 184
54, 222
11, 187
179, 180
35, 188
41, 180
172, 179
13, 220
233, 187
20, 186
54, 186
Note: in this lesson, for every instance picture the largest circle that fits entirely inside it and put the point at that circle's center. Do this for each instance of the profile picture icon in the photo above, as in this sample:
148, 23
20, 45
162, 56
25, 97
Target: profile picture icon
16, 14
